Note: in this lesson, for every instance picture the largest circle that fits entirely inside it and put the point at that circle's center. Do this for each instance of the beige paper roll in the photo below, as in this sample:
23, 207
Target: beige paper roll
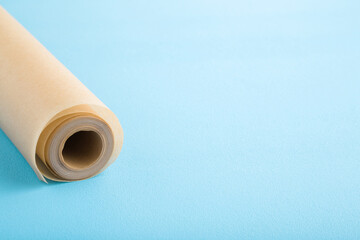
63, 130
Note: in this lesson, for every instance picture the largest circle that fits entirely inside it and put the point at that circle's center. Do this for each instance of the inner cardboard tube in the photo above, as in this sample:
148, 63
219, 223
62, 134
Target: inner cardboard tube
82, 149
79, 148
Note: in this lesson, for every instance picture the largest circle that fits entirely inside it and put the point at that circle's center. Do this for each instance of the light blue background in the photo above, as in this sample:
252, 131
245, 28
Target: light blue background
241, 121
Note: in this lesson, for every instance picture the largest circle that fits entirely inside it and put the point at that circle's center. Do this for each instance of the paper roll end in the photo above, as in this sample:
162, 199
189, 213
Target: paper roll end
79, 148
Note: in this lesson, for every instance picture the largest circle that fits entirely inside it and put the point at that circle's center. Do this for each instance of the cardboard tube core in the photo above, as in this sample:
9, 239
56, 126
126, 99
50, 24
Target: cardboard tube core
82, 149
79, 147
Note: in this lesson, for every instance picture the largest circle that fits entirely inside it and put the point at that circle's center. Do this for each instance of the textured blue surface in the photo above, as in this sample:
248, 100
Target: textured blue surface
241, 121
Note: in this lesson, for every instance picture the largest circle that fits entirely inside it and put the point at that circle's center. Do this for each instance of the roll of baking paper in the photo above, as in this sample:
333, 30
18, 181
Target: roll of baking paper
63, 130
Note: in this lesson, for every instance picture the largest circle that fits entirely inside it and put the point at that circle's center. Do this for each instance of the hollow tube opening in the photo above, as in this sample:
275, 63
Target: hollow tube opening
82, 149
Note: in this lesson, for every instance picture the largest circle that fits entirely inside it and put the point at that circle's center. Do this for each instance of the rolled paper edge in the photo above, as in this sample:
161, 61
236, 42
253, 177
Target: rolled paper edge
56, 143
40, 167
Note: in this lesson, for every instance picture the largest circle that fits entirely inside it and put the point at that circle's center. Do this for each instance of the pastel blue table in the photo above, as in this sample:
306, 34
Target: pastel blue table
241, 121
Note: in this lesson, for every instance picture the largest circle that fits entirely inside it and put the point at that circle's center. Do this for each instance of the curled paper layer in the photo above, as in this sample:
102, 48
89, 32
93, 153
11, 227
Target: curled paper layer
63, 130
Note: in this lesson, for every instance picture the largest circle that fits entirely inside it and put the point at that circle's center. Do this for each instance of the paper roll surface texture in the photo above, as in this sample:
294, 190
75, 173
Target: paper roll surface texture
62, 129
